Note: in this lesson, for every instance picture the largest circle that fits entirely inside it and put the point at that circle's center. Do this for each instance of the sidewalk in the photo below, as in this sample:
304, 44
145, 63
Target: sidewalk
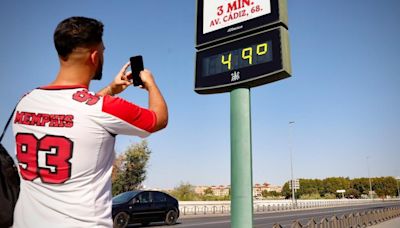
392, 223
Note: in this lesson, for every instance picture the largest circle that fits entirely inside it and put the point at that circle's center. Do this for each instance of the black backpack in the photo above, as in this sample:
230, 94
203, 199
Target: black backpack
9, 184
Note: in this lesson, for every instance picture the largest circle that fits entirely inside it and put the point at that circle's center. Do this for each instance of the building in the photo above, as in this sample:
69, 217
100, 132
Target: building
220, 190
224, 190
259, 188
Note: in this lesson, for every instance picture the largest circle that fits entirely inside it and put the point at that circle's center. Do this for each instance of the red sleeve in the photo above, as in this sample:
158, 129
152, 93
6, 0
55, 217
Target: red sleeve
142, 118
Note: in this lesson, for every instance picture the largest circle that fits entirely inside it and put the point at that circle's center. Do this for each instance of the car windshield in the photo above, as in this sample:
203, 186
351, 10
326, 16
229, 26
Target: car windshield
124, 197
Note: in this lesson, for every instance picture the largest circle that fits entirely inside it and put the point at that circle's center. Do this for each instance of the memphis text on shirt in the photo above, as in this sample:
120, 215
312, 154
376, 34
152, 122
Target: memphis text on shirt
44, 119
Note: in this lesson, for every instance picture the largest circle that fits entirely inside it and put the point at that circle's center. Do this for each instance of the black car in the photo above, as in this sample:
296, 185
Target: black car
144, 207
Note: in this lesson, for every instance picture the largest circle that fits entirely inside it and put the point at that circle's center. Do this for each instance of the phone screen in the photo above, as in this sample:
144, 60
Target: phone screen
136, 67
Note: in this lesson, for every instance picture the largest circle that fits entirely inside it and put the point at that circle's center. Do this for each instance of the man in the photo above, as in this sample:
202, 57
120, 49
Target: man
65, 134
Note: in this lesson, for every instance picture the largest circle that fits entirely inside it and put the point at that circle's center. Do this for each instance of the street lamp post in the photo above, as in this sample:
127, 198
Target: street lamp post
369, 177
291, 162
398, 190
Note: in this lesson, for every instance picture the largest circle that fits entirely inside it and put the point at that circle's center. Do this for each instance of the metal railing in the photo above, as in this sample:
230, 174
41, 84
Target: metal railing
260, 206
363, 219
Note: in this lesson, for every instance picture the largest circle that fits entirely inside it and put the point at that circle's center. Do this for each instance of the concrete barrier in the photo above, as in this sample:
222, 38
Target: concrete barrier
259, 206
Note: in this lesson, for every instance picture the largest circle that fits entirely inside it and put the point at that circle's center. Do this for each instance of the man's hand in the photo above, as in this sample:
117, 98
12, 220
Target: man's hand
147, 79
120, 83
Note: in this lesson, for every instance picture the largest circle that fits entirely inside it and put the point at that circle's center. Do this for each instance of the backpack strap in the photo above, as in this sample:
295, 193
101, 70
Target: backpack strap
8, 123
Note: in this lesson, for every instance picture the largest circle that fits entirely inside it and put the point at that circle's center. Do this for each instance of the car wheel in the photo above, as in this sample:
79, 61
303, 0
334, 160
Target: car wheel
171, 217
121, 220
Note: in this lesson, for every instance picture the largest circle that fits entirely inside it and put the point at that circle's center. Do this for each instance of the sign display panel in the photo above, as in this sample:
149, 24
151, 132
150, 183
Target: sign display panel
237, 59
220, 14
219, 20
249, 61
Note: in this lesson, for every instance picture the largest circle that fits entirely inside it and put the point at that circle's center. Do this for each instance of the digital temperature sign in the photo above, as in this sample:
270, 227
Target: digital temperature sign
237, 59
248, 61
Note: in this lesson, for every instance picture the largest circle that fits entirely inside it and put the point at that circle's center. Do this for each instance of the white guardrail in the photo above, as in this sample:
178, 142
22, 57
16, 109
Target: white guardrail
259, 206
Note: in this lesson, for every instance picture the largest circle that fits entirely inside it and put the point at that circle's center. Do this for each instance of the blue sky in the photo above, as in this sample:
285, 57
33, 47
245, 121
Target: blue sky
344, 94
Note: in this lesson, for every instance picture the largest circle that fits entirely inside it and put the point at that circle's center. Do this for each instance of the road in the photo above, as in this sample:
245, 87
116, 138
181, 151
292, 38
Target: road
285, 219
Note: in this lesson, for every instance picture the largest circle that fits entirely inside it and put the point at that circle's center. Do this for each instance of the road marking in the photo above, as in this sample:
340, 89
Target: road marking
204, 223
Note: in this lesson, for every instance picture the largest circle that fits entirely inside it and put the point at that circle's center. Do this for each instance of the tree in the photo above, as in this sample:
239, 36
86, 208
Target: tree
129, 170
352, 193
361, 185
309, 187
286, 191
117, 167
185, 192
271, 194
208, 191
384, 186
117, 184
332, 184
355, 188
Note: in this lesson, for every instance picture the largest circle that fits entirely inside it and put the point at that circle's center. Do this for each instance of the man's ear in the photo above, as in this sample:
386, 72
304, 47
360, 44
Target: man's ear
94, 57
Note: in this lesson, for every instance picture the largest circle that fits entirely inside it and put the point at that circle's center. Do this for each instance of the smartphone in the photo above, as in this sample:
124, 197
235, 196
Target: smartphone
136, 67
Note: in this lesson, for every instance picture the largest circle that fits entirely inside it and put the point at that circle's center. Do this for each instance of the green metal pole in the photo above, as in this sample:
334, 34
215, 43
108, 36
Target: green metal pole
241, 160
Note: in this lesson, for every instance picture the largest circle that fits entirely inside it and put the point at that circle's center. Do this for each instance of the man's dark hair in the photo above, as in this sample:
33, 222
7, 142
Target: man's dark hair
76, 32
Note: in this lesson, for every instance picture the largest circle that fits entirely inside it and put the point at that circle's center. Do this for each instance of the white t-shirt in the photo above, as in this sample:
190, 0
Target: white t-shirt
65, 139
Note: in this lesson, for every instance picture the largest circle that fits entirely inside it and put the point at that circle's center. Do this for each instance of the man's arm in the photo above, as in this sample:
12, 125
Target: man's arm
157, 103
